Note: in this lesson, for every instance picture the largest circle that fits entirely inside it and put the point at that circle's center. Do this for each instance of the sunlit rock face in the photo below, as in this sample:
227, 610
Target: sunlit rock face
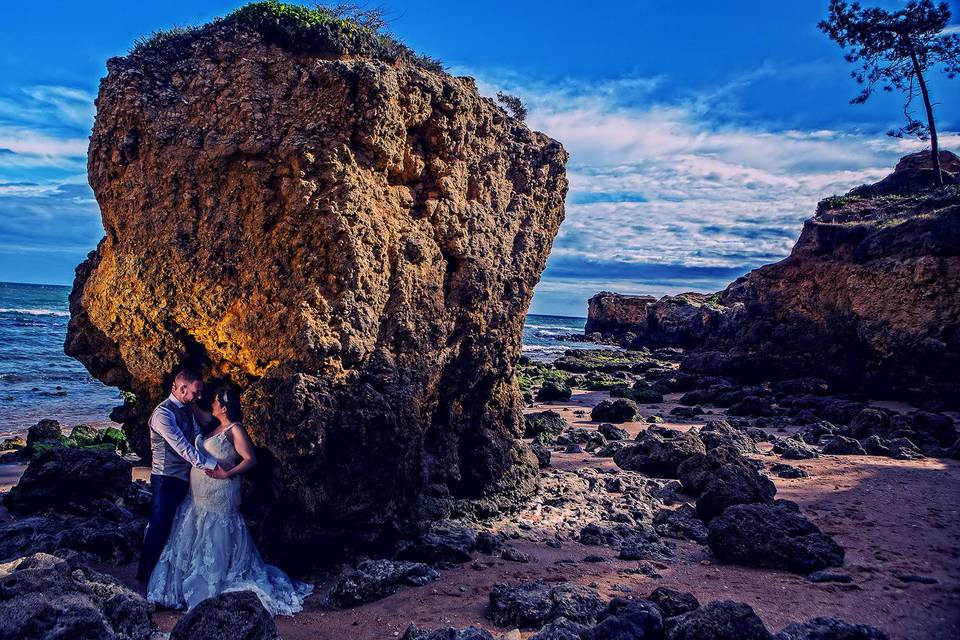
352, 240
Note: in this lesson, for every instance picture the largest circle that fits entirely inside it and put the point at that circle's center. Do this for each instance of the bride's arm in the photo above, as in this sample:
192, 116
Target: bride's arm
241, 442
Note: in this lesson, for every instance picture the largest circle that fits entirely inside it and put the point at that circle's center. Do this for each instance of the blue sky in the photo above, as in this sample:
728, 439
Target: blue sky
701, 134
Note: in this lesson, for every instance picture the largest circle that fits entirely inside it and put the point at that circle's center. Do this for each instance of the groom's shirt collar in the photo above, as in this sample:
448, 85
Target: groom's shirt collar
176, 402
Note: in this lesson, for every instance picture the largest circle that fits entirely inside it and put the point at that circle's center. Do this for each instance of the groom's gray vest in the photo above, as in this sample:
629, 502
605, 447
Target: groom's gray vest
168, 460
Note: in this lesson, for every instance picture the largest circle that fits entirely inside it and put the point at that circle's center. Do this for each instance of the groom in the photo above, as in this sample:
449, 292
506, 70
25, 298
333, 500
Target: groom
173, 430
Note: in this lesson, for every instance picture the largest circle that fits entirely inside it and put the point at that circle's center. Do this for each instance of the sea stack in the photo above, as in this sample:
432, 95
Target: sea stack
310, 211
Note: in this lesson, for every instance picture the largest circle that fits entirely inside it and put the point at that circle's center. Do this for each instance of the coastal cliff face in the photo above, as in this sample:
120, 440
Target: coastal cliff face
352, 237
683, 320
869, 297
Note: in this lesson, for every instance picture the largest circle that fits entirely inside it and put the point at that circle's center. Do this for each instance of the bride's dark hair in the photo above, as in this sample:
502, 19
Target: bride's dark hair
230, 399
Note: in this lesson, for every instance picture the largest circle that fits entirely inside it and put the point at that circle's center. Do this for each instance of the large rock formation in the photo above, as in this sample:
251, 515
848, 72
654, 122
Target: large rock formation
307, 210
868, 298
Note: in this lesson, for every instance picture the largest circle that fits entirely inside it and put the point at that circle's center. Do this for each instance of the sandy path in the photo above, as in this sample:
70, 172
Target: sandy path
892, 517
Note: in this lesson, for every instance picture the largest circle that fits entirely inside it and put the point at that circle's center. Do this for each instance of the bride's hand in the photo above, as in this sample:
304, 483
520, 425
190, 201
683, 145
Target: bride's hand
217, 472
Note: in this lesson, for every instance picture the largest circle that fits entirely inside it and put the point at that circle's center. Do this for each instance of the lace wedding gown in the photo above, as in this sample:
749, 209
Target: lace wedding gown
210, 549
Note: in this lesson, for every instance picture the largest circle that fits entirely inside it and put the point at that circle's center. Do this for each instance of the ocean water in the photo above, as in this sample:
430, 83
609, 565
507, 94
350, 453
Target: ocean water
37, 380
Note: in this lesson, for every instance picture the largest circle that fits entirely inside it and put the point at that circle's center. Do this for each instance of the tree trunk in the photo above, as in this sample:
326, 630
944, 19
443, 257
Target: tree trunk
934, 147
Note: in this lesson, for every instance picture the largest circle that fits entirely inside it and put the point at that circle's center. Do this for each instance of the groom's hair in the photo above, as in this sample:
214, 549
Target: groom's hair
187, 375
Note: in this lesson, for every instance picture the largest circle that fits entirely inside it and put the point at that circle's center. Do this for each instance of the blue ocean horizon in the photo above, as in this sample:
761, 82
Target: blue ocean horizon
38, 380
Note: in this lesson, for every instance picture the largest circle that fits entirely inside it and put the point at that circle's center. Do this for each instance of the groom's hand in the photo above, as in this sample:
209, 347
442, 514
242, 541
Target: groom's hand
217, 472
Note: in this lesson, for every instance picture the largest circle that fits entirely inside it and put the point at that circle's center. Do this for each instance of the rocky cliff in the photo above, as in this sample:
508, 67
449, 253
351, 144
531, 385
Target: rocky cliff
869, 297
303, 208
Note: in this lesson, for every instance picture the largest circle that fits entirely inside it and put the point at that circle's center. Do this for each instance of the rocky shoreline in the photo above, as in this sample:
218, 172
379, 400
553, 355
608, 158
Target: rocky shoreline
663, 500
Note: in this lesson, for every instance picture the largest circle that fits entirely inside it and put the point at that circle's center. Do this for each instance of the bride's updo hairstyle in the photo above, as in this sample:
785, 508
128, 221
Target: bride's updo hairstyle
230, 400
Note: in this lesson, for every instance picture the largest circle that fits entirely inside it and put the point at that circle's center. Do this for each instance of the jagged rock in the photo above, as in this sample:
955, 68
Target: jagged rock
659, 451
376, 579
681, 523
627, 620
43, 596
444, 545
362, 234
775, 536
733, 484
47, 431
488, 543
560, 629
721, 620
70, 480
695, 471
619, 410
718, 433
533, 604
613, 432
811, 433
786, 471
610, 449
904, 449
553, 390
513, 554
830, 629
413, 632
870, 422
589, 438
230, 615
673, 602
681, 320
843, 446
542, 454
543, 426
94, 538
791, 449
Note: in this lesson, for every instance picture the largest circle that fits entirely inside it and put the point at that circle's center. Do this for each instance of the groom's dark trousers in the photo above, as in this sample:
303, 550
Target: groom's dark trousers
168, 493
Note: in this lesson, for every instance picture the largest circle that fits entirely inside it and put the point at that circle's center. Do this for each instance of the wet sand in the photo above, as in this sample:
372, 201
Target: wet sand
893, 518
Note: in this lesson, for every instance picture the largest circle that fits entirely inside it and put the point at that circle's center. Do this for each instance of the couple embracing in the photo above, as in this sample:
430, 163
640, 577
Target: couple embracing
196, 543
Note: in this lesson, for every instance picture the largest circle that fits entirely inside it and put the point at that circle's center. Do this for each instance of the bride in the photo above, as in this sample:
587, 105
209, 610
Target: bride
210, 549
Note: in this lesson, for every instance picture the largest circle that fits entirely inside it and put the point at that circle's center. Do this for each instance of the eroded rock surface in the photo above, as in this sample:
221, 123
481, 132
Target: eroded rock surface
352, 238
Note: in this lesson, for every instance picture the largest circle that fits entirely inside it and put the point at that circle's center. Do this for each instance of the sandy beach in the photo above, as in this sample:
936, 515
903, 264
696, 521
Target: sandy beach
897, 521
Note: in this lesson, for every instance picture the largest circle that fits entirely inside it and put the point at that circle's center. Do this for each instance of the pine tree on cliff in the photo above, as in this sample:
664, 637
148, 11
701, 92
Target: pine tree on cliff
896, 48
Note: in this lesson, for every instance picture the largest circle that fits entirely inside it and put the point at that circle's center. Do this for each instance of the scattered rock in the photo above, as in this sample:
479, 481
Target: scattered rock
830, 629
910, 577
616, 411
542, 454
673, 602
718, 433
843, 446
730, 485
624, 619
613, 432
533, 604
543, 426
659, 451
775, 536
514, 555
721, 620
560, 629
553, 390
786, 471
790, 449
376, 579
413, 632
44, 596
830, 576
443, 545
681, 523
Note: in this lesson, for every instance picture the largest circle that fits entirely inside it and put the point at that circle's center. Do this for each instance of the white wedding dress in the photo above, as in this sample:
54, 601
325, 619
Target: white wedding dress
210, 549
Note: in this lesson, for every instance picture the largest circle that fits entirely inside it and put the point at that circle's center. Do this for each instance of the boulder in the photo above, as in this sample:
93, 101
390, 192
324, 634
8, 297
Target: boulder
413, 632
791, 449
721, 620
232, 615
627, 620
553, 390
444, 545
70, 480
376, 579
560, 629
843, 446
830, 629
44, 596
96, 539
673, 602
543, 426
542, 454
682, 523
309, 211
533, 604
613, 432
718, 433
45, 431
695, 471
733, 484
659, 451
618, 411
775, 536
